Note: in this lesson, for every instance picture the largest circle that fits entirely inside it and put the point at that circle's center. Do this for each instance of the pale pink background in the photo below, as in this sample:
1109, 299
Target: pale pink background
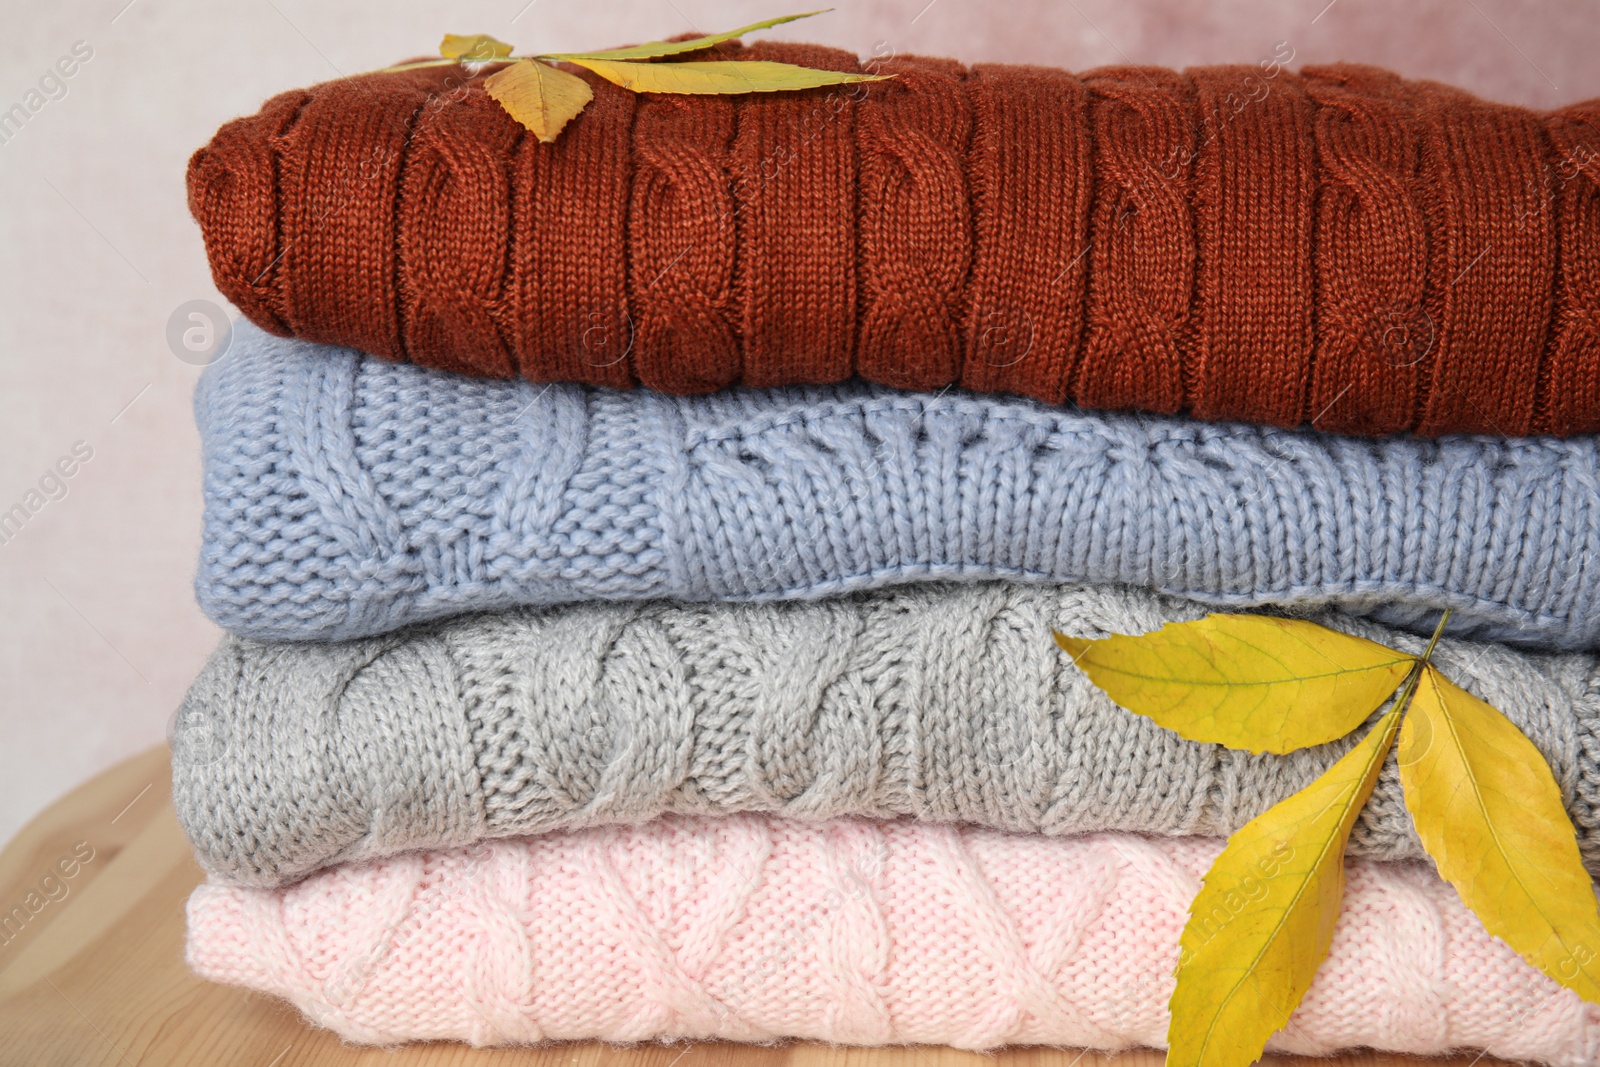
98, 631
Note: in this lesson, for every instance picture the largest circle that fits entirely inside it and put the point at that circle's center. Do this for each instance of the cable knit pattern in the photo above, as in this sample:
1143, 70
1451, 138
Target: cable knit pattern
686, 339
754, 929
1143, 247
1372, 252
916, 226
1572, 403
950, 226
348, 496
946, 703
457, 273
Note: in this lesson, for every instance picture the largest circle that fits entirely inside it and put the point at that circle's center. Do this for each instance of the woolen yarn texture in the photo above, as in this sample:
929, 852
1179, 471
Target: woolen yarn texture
866, 933
347, 496
1337, 246
947, 702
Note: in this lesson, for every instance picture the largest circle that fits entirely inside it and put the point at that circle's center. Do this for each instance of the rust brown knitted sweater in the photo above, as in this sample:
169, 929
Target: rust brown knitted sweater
1337, 247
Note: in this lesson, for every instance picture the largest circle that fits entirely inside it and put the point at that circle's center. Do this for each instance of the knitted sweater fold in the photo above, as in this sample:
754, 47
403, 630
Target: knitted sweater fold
1338, 246
347, 496
947, 703
754, 929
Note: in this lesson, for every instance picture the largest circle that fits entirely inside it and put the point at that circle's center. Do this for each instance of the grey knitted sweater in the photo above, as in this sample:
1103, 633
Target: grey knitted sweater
941, 702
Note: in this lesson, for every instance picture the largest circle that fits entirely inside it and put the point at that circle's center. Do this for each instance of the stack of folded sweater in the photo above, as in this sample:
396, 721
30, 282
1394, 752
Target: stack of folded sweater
695, 679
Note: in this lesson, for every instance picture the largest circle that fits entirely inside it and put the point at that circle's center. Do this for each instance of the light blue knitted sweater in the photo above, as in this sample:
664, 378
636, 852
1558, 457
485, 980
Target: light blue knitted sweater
347, 496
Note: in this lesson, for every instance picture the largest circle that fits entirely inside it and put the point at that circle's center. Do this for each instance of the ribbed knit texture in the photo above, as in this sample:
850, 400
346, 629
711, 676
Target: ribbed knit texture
948, 703
1336, 247
347, 496
868, 933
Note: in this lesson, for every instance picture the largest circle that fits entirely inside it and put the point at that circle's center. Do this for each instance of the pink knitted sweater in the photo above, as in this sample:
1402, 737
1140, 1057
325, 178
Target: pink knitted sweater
754, 928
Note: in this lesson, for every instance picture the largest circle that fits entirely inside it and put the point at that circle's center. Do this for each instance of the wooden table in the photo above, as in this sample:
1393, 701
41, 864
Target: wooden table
96, 975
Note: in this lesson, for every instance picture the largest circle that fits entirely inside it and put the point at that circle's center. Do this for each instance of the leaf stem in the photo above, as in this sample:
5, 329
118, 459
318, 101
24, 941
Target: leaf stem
459, 62
1427, 653
462, 61
1423, 663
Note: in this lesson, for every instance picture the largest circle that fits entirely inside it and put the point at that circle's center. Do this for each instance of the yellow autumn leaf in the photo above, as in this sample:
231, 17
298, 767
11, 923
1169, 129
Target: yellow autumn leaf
720, 77
541, 97
1262, 922
654, 49
1490, 814
476, 47
1246, 681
